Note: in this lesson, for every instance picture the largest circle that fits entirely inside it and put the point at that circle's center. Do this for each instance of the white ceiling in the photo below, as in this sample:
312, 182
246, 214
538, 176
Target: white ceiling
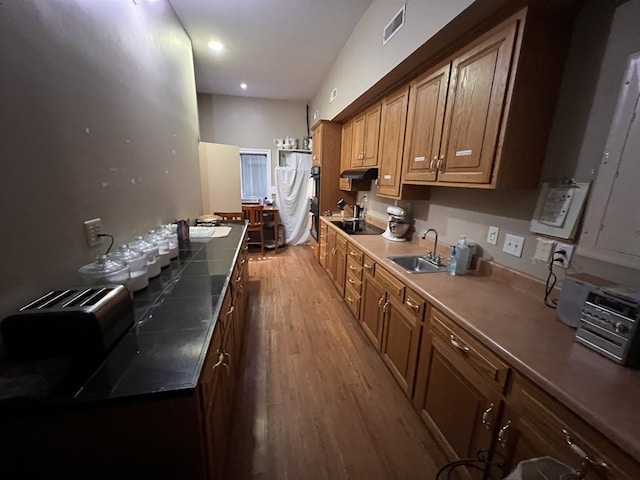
281, 49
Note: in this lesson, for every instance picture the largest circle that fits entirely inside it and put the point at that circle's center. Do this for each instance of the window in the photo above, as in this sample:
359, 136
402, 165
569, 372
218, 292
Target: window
255, 173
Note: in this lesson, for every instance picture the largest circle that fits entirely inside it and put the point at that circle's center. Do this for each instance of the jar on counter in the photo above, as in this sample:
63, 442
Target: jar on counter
137, 263
170, 231
105, 271
161, 240
151, 251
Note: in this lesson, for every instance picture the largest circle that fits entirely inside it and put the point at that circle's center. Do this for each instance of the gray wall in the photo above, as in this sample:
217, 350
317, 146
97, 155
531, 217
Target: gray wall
250, 122
364, 60
603, 39
98, 119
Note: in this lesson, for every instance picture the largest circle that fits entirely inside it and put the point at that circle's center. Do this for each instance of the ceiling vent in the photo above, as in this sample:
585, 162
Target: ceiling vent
393, 26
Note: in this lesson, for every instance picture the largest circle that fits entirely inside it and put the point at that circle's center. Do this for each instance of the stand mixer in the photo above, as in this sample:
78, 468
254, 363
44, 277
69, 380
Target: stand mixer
397, 224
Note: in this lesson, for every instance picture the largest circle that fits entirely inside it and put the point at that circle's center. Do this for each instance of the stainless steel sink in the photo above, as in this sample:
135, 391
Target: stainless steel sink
417, 264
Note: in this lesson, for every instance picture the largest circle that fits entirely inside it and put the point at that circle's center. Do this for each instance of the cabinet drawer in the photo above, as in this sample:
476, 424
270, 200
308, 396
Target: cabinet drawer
352, 299
394, 286
355, 254
467, 354
368, 265
414, 303
354, 268
354, 282
341, 242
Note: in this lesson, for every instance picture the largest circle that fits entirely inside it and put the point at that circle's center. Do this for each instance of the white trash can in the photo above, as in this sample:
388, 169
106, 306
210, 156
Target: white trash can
542, 468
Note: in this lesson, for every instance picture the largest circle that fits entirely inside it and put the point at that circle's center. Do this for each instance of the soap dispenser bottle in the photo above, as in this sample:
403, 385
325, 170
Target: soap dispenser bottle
462, 255
452, 262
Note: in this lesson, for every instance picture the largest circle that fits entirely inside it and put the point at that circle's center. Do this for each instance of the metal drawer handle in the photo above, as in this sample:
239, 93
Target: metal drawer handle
220, 360
367, 266
577, 449
441, 163
352, 253
413, 305
487, 417
239, 278
350, 299
384, 307
351, 267
351, 281
503, 434
380, 301
231, 310
454, 341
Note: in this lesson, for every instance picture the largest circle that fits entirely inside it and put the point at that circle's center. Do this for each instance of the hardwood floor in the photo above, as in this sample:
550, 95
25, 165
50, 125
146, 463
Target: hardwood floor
315, 400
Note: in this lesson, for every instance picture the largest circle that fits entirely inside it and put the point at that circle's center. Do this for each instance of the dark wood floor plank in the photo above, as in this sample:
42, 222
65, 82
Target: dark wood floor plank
315, 400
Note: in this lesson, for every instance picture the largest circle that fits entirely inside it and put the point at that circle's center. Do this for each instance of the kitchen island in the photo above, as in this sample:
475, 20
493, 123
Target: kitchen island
157, 402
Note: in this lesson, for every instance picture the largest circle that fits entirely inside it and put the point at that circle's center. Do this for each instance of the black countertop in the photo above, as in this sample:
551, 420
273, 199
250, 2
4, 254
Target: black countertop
175, 317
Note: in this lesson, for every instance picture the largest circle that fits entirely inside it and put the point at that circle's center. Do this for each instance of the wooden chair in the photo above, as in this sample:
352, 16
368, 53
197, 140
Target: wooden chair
254, 213
230, 216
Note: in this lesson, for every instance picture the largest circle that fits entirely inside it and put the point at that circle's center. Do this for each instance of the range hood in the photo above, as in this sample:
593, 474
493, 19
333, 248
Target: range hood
363, 174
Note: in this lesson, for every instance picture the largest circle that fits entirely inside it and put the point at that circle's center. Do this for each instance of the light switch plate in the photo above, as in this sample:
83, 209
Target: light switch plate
513, 245
492, 235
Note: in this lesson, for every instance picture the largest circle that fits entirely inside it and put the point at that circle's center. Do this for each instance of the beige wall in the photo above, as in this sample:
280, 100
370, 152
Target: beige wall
251, 122
98, 119
364, 60
603, 39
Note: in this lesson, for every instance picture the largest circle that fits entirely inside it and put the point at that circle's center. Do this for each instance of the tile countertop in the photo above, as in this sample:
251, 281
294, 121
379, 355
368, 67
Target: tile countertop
518, 326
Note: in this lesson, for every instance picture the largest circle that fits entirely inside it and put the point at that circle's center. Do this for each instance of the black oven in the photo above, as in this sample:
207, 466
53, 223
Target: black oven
314, 207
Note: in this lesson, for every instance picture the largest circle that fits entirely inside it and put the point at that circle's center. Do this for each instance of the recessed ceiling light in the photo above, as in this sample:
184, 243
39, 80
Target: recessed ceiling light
216, 46
243, 86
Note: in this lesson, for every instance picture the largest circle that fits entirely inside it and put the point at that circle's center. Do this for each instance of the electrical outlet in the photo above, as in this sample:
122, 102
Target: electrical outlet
563, 259
513, 245
492, 235
544, 248
91, 230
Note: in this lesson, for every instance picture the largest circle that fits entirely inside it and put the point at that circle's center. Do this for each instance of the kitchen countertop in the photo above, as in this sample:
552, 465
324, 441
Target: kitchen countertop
513, 321
174, 320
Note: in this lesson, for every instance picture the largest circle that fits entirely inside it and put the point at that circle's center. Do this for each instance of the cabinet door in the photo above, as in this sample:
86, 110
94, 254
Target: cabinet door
316, 149
392, 127
427, 99
475, 104
371, 132
330, 266
340, 269
371, 314
346, 146
455, 410
357, 141
400, 341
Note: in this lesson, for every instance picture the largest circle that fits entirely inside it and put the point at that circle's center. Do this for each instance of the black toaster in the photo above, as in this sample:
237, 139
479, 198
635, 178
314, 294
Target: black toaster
83, 322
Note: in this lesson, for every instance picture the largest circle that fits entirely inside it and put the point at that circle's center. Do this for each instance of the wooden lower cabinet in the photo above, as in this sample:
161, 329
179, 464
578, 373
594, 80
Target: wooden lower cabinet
400, 342
315, 248
535, 424
371, 313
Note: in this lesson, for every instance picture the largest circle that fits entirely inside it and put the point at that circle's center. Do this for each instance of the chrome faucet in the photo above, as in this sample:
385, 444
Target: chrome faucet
431, 256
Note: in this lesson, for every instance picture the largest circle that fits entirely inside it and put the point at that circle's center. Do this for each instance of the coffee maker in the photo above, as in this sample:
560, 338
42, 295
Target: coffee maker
397, 224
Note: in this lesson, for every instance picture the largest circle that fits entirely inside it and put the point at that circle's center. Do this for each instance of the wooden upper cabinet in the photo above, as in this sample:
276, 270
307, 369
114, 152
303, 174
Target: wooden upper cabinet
365, 131
345, 146
392, 129
476, 100
427, 100
316, 149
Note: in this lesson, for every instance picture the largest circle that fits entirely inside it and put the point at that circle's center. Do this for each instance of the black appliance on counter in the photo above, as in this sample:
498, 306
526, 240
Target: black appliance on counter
314, 207
82, 322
